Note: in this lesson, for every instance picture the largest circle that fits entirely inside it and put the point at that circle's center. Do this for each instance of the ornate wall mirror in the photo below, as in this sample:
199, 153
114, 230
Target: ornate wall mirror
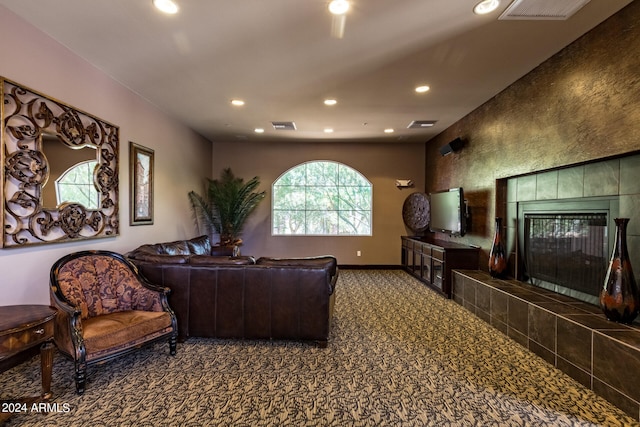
60, 171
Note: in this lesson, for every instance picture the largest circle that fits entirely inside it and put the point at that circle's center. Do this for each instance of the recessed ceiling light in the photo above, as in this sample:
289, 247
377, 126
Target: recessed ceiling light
339, 7
422, 89
486, 6
259, 130
330, 102
389, 130
166, 6
237, 102
328, 130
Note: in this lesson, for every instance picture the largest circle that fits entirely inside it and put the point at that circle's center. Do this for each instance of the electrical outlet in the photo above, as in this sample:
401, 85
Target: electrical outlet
359, 253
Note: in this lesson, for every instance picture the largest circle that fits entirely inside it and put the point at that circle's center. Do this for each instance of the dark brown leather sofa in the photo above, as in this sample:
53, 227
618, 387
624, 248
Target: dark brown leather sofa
240, 297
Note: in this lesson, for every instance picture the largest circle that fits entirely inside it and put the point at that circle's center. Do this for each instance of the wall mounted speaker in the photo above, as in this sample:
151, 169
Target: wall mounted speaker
452, 147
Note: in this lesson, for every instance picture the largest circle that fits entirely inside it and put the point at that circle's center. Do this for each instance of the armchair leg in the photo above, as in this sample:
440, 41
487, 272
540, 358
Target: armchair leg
80, 377
173, 340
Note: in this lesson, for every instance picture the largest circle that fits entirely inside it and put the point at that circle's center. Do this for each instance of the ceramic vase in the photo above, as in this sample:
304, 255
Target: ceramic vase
619, 295
497, 256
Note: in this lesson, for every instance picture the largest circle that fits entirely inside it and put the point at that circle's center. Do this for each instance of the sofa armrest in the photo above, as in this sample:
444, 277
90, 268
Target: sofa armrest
334, 279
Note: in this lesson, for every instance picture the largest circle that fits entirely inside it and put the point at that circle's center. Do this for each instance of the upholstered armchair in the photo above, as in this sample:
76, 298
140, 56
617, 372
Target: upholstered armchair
106, 309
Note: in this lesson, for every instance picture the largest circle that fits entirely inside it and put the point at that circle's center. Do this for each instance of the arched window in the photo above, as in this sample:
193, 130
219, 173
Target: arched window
322, 198
76, 185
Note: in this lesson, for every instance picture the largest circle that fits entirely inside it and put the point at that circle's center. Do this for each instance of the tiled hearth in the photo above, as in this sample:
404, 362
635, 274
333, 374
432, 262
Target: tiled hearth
572, 335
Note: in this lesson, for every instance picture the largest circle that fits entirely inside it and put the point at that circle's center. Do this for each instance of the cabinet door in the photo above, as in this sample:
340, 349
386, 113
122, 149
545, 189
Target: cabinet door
437, 265
417, 260
406, 254
437, 273
426, 268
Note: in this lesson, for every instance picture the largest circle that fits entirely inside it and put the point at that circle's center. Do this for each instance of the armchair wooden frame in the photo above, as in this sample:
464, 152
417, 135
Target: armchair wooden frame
70, 332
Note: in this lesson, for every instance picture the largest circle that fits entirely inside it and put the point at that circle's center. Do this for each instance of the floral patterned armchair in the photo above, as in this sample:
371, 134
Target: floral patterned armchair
106, 309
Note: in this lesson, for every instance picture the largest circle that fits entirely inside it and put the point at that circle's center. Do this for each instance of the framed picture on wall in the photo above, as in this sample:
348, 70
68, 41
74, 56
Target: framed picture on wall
141, 177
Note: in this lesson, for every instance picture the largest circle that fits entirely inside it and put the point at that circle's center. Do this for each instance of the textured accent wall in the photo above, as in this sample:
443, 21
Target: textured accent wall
581, 105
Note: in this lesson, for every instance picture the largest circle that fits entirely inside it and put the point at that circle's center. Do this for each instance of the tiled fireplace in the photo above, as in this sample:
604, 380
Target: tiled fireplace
572, 335
613, 182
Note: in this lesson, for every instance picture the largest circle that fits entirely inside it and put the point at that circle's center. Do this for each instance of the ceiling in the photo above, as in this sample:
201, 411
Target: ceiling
280, 58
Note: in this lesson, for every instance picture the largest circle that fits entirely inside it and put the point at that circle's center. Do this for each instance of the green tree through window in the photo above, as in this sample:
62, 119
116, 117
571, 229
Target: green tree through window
76, 185
322, 198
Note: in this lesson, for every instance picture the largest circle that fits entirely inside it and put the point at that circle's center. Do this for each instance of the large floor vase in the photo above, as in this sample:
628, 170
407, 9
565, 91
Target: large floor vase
497, 255
619, 295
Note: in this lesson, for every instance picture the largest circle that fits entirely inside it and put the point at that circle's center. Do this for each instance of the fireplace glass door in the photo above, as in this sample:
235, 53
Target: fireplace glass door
567, 252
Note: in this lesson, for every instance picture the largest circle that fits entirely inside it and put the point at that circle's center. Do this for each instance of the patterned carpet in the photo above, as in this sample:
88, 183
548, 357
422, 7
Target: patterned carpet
398, 355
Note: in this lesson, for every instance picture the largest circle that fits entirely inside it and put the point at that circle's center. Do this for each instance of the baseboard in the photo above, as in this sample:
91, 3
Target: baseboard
369, 267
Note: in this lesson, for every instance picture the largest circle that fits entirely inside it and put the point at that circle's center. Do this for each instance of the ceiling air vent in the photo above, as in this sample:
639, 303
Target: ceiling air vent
284, 125
421, 124
542, 9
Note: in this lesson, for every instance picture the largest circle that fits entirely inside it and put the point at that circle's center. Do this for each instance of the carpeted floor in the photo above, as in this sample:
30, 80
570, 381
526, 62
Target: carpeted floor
398, 355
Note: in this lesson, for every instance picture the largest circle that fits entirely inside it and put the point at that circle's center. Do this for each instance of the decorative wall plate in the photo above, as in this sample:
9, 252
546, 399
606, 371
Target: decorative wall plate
416, 212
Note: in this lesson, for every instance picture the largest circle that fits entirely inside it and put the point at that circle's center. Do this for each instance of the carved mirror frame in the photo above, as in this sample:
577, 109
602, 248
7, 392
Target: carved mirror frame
26, 116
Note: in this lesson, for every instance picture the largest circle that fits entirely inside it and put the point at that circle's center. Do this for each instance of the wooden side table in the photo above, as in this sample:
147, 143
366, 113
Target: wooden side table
23, 327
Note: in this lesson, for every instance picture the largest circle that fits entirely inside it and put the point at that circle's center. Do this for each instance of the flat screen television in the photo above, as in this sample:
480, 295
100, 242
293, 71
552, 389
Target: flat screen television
448, 212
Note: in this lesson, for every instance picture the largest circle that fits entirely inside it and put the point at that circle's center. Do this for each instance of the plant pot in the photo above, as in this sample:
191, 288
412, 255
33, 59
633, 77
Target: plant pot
233, 250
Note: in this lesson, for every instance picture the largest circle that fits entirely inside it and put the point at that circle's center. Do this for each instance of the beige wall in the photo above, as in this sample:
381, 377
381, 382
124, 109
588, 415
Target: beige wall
381, 164
182, 158
580, 105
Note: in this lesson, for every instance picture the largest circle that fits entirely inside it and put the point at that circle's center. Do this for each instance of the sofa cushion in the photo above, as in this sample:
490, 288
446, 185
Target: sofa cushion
120, 329
221, 260
176, 252
326, 261
160, 258
179, 247
145, 250
199, 245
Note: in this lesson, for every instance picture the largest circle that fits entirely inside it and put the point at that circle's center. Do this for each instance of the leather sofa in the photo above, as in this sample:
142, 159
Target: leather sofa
241, 297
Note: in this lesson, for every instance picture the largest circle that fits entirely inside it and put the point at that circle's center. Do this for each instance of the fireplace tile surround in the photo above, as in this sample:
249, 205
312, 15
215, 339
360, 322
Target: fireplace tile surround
618, 177
571, 335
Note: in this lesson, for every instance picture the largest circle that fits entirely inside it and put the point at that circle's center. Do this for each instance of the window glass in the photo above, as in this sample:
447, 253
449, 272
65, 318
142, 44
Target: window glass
322, 198
76, 185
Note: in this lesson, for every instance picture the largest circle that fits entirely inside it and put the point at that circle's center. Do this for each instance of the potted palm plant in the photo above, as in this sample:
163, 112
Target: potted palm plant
225, 207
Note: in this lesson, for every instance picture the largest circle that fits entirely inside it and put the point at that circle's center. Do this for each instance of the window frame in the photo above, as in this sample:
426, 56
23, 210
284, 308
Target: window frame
338, 165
